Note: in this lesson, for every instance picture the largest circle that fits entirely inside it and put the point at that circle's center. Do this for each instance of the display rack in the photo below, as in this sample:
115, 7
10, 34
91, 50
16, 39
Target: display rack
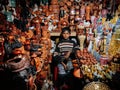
58, 33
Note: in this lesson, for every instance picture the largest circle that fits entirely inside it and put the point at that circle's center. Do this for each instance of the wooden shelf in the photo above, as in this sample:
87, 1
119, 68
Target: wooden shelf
58, 33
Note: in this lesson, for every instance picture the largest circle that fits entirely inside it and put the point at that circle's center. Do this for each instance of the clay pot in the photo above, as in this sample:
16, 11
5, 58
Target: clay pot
72, 10
34, 55
54, 2
55, 8
77, 12
61, 4
56, 16
20, 50
77, 18
104, 60
64, 23
17, 52
37, 12
27, 42
69, 3
77, 73
11, 37
18, 63
72, 17
35, 20
87, 9
72, 28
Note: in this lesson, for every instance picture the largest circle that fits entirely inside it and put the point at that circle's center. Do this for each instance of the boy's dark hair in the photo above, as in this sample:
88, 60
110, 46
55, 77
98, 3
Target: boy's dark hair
66, 29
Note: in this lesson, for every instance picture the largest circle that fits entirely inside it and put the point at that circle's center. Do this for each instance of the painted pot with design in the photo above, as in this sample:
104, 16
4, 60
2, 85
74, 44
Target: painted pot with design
72, 10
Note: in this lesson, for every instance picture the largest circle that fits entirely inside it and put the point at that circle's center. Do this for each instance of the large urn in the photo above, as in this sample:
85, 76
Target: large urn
87, 14
81, 38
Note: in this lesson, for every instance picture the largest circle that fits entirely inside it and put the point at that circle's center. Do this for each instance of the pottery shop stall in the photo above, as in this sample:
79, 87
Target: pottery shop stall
29, 31
92, 71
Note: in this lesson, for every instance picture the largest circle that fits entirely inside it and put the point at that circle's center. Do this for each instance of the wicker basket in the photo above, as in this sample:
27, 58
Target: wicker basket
96, 86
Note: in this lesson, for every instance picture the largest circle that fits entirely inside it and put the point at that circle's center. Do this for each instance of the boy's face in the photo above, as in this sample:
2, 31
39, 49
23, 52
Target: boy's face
66, 34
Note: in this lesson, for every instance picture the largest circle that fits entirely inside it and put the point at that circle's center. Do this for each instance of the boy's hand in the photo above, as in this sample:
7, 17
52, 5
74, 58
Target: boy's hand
65, 66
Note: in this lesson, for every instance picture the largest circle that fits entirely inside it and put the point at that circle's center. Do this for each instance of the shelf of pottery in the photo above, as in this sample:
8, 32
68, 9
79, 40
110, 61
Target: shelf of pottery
70, 14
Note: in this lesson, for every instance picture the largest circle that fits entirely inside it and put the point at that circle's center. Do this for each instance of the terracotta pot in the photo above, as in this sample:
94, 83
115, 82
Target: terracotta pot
55, 8
77, 12
64, 23
11, 37
18, 63
56, 16
20, 50
87, 17
16, 52
69, 3
72, 28
104, 60
77, 73
72, 10
54, 2
35, 20
72, 17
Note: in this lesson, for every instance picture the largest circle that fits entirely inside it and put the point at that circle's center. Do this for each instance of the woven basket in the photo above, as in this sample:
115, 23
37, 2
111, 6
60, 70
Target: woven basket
96, 86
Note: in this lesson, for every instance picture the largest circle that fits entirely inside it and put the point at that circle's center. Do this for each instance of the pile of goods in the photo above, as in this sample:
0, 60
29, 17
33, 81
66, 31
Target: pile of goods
114, 51
84, 57
115, 43
88, 59
97, 72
